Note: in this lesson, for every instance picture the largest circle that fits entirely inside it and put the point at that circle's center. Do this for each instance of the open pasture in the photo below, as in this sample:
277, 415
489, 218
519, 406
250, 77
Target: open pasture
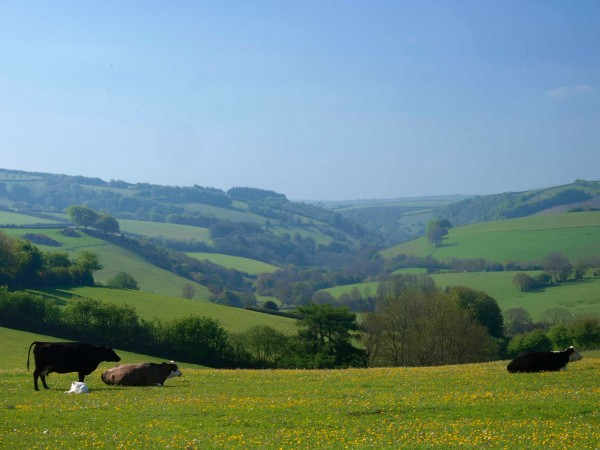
149, 306
247, 265
474, 406
525, 239
11, 218
166, 230
115, 259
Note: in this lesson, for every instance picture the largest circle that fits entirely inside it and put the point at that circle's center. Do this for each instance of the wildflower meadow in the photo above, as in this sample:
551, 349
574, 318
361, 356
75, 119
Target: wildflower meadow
475, 405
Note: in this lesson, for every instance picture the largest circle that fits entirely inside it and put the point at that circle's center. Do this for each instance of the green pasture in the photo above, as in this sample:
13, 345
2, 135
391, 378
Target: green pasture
11, 218
524, 239
249, 266
149, 306
471, 406
166, 230
580, 298
115, 259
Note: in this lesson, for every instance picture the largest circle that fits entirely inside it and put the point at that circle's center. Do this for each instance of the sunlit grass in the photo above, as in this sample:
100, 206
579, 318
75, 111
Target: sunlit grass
476, 406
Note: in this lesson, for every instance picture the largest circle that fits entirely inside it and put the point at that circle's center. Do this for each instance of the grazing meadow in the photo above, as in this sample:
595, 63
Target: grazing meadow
524, 239
149, 306
473, 406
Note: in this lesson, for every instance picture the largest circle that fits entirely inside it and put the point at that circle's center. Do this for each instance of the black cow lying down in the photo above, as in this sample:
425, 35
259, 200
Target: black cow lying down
543, 361
144, 374
65, 357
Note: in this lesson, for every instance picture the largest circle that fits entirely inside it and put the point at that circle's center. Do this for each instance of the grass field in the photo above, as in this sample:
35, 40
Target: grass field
525, 239
250, 266
472, 406
10, 218
115, 259
579, 298
149, 306
166, 230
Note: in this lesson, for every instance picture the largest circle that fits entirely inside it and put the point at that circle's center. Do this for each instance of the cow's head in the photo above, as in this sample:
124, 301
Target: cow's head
574, 354
175, 372
108, 354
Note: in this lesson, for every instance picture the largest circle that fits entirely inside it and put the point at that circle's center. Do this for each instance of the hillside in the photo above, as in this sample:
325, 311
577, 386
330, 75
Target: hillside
210, 219
580, 195
150, 306
575, 234
396, 220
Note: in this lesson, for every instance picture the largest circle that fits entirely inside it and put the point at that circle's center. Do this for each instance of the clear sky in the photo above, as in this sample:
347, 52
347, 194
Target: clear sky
318, 100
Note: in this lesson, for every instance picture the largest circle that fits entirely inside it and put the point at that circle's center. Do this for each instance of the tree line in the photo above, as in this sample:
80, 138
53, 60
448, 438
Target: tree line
24, 265
557, 329
324, 339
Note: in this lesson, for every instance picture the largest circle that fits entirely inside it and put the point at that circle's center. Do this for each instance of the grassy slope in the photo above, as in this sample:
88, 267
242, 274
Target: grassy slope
149, 306
167, 230
116, 259
474, 406
524, 239
250, 266
11, 218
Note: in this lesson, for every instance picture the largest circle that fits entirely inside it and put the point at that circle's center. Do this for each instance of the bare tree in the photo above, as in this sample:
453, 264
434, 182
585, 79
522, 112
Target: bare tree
188, 291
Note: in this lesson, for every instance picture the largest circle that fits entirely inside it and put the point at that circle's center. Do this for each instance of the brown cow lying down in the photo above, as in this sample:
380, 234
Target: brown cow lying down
144, 374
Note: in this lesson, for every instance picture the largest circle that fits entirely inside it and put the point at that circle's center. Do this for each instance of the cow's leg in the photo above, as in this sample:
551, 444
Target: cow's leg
36, 375
42, 375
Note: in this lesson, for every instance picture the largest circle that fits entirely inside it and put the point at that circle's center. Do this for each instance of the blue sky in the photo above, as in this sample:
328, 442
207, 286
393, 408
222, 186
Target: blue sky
319, 100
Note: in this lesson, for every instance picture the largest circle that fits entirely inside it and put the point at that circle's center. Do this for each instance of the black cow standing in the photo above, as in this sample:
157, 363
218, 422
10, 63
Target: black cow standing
543, 361
65, 357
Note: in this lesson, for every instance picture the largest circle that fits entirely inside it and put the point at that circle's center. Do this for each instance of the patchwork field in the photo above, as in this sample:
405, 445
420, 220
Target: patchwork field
473, 406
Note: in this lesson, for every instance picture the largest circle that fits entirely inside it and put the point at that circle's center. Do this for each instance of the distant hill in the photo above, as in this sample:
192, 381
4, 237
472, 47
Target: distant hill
576, 234
395, 220
581, 195
246, 222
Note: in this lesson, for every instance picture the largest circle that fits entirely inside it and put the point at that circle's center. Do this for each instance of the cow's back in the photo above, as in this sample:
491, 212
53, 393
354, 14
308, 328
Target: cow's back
538, 362
125, 374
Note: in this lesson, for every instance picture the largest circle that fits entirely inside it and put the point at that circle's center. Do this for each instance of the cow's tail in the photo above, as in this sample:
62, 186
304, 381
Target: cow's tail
29, 351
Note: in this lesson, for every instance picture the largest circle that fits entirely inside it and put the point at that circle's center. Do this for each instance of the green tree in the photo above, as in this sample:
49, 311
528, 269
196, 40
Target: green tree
586, 333
326, 334
27, 261
436, 230
524, 282
481, 307
107, 224
86, 262
199, 339
533, 341
264, 345
82, 216
123, 280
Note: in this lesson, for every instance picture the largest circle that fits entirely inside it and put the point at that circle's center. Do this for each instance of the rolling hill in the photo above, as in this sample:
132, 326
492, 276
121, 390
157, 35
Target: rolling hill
254, 231
530, 238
